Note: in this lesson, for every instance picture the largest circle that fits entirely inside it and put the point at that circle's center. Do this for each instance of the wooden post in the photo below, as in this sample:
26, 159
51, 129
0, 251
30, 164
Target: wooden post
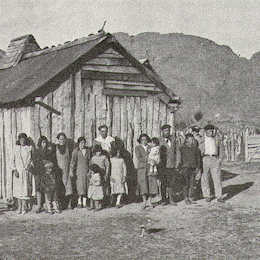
124, 121
72, 111
49, 116
232, 145
246, 145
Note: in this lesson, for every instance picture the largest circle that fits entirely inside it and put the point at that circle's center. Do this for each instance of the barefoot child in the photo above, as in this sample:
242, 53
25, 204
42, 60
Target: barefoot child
95, 189
154, 157
118, 176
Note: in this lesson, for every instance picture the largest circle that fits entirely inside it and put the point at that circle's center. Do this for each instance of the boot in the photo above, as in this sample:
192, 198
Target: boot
56, 207
49, 209
19, 210
69, 202
84, 202
39, 202
24, 206
80, 202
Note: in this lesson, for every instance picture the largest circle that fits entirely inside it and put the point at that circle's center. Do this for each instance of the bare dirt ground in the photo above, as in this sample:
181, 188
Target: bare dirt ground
201, 231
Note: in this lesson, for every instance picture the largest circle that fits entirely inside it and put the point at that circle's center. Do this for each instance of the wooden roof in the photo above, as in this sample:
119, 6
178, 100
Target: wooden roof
26, 73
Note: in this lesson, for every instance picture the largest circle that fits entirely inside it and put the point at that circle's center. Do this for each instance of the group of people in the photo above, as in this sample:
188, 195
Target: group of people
97, 176
162, 162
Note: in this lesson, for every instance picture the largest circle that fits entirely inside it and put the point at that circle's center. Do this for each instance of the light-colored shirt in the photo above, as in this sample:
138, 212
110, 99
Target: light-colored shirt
210, 146
145, 147
168, 141
105, 143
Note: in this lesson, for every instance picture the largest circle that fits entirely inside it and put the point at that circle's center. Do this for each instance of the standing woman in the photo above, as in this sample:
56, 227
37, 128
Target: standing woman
43, 153
23, 182
146, 185
79, 167
63, 156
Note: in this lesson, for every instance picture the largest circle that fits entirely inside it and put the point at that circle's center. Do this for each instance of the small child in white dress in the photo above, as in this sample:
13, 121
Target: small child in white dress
154, 157
95, 189
118, 177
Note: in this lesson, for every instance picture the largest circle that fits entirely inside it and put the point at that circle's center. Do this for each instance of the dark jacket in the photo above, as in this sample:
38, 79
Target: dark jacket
142, 156
170, 156
190, 157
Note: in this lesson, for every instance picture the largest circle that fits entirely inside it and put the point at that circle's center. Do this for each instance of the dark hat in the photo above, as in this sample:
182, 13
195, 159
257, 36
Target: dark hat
165, 127
195, 129
209, 127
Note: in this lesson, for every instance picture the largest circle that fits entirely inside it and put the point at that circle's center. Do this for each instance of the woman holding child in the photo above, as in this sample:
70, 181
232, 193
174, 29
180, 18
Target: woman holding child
146, 175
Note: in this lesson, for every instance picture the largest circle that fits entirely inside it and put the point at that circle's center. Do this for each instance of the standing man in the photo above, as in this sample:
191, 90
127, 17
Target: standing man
212, 152
104, 139
170, 161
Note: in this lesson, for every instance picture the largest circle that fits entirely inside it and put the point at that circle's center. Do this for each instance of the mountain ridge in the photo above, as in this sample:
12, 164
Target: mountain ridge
208, 77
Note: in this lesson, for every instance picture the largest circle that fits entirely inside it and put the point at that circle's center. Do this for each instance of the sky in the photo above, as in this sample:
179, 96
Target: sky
235, 23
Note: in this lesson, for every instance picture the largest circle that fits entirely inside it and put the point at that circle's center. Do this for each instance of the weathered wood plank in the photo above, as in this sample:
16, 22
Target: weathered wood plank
8, 154
162, 115
124, 92
124, 120
2, 154
137, 118
156, 124
112, 69
130, 112
116, 127
111, 56
109, 62
111, 51
133, 88
78, 106
144, 115
109, 120
87, 85
100, 103
150, 115
131, 83
114, 76
73, 106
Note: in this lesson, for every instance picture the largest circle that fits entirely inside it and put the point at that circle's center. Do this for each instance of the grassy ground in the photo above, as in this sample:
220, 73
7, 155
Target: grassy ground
201, 231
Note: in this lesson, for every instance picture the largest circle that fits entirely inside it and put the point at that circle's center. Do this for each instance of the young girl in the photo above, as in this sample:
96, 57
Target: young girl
23, 182
80, 166
103, 162
154, 157
118, 176
95, 189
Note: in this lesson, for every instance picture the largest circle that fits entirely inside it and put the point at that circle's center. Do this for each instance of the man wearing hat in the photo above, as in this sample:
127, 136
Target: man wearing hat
170, 161
212, 154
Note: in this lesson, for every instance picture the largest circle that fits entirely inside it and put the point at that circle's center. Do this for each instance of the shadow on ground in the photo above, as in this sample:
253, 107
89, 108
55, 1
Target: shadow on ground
226, 175
232, 190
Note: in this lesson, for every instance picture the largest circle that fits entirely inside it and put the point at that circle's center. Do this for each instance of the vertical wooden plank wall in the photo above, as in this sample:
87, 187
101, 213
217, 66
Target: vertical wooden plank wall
87, 86
79, 108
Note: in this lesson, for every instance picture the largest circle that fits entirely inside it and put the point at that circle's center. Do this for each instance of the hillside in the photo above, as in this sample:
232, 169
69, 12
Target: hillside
208, 77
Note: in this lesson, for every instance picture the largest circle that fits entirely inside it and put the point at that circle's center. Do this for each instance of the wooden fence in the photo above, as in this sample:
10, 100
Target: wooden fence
252, 147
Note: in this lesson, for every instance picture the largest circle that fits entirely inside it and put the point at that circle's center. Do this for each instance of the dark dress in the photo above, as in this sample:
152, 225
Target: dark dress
42, 155
145, 184
80, 166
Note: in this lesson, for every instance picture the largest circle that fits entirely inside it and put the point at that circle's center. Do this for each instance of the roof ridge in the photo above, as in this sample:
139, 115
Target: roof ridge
66, 45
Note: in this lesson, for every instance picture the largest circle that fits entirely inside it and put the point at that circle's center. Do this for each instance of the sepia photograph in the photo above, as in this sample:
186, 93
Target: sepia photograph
130, 129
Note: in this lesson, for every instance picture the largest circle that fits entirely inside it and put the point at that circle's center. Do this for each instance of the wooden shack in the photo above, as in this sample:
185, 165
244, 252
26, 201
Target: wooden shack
74, 88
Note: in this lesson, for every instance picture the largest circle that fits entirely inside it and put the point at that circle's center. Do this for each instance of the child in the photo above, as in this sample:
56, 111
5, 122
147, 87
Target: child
154, 157
103, 162
191, 164
49, 182
95, 189
118, 176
